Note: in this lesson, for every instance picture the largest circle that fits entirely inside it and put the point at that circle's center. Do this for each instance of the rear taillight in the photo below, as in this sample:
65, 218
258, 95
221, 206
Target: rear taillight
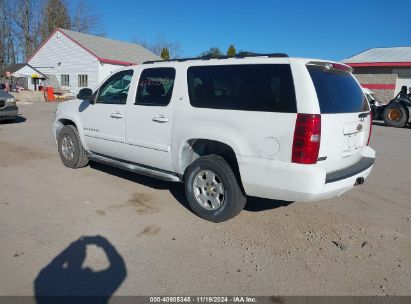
307, 137
369, 135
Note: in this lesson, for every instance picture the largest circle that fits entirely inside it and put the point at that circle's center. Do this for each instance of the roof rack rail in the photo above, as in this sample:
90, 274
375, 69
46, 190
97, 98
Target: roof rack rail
208, 57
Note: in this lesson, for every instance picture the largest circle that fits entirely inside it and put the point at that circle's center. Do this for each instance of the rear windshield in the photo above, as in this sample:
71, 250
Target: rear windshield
337, 91
251, 87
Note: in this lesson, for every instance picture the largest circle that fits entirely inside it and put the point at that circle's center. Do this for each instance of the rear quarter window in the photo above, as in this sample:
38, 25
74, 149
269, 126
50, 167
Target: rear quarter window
337, 91
251, 87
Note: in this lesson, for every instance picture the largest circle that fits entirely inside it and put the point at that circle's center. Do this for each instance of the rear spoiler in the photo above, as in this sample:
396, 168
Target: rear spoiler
331, 65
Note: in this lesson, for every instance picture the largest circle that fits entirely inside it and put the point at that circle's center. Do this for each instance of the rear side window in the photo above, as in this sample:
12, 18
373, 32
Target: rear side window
251, 87
155, 87
337, 91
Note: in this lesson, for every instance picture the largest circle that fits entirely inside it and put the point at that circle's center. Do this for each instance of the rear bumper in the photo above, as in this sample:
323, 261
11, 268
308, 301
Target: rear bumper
295, 182
353, 170
8, 113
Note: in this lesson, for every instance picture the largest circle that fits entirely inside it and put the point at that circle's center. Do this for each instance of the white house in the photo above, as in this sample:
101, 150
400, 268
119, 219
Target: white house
73, 60
24, 76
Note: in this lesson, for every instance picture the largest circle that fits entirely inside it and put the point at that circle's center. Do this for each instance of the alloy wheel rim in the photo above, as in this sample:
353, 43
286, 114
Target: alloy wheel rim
209, 190
394, 114
67, 147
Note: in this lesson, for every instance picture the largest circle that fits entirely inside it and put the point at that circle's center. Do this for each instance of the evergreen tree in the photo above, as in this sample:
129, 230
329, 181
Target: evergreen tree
165, 54
231, 52
55, 16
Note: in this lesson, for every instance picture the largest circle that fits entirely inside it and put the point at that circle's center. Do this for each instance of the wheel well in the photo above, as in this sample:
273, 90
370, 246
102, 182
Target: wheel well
62, 123
67, 122
195, 148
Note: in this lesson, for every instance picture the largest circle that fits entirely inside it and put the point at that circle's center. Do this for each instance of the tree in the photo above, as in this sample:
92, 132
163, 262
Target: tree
160, 43
55, 16
165, 54
85, 20
213, 52
231, 52
7, 43
25, 26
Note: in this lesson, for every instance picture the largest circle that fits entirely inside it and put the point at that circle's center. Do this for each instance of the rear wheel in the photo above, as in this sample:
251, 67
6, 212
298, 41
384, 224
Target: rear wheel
71, 150
395, 115
212, 190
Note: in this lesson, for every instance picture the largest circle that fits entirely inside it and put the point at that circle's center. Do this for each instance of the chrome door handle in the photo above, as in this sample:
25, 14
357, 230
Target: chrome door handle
116, 115
160, 118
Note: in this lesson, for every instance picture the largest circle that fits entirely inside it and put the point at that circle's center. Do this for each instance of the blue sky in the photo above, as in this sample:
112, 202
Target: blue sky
319, 29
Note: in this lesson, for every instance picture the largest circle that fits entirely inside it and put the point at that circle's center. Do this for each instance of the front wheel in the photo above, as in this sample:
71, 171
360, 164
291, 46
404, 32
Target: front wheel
71, 150
212, 189
395, 115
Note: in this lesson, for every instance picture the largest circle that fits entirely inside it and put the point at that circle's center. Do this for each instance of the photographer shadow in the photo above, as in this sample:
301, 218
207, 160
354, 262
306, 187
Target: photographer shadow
64, 280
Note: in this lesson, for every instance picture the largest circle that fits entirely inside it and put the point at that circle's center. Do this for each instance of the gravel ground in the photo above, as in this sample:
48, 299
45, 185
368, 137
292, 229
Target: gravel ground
117, 232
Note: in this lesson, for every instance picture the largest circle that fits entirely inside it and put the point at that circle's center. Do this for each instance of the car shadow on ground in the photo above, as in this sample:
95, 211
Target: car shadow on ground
176, 189
66, 280
18, 119
254, 204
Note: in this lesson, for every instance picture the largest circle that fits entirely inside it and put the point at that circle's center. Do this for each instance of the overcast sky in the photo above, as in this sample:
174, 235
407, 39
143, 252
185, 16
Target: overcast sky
318, 29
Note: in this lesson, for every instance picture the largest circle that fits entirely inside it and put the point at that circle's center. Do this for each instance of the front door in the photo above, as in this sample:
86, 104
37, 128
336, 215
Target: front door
149, 119
104, 121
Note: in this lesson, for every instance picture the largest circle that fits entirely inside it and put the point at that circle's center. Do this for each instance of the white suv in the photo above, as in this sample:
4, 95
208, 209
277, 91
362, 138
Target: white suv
264, 125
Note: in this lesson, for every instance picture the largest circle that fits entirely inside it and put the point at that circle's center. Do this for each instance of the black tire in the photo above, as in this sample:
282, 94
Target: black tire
79, 158
234, 198
395, 115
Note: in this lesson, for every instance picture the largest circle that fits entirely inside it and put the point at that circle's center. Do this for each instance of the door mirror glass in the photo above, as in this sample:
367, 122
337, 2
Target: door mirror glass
85, 94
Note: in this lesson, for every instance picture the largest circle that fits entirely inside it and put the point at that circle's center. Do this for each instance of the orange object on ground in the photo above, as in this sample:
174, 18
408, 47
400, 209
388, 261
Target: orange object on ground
50, 94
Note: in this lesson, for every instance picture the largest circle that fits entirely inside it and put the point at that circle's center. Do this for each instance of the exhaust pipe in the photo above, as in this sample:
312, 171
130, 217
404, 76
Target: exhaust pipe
359, 181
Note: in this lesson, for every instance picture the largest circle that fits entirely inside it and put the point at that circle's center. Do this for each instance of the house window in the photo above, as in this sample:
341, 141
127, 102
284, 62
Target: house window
82, 80
65, 80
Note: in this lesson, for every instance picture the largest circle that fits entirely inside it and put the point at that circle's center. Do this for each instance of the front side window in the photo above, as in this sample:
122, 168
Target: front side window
65, 80
155, 87
82, 81
245, 87
115, 89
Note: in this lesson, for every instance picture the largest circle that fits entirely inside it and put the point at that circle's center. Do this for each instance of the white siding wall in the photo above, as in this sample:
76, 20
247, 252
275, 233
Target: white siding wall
73, 59
27, 71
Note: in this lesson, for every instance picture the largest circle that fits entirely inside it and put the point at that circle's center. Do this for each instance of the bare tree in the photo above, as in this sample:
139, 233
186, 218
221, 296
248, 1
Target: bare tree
7, 47
27, 16
85, 20
25, 24
157, 46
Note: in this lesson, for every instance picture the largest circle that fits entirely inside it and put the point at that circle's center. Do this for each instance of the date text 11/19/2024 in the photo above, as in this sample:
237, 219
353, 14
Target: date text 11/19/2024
201, 299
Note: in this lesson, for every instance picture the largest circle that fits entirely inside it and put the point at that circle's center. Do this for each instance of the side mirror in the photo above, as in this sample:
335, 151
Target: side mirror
86, 94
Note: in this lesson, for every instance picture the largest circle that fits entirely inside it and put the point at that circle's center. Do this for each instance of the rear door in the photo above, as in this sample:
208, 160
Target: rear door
150, 118
345, 116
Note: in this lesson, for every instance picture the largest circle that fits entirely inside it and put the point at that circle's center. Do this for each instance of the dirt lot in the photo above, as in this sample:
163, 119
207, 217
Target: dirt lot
140, 238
